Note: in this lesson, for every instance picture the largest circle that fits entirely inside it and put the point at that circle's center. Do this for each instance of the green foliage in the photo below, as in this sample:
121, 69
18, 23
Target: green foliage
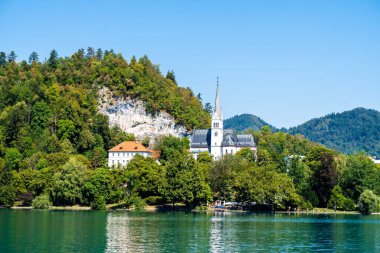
99, 203
321, 161
137, 203
185, 182
41, 202
339, 202
359, 174
12, 158
349, 132
170, 147
68, 183
246, 121
368, 202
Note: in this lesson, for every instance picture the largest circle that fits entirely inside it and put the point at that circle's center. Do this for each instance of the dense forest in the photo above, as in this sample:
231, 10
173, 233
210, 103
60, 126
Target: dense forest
246, 121
53, 146
348, 132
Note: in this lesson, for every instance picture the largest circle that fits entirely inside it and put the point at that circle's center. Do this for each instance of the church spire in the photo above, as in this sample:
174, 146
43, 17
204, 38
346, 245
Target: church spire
218, 112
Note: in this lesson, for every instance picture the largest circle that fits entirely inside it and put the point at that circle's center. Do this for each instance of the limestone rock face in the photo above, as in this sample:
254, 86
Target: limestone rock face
131, 117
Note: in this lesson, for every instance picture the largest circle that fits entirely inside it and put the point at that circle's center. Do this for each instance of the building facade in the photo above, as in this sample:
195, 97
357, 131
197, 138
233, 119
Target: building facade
217, 140
121, 154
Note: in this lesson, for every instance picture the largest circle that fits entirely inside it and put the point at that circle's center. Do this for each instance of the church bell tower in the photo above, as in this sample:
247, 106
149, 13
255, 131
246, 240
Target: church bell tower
217, 127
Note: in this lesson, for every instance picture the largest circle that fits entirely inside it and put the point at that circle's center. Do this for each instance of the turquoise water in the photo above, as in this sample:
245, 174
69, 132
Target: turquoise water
123, 231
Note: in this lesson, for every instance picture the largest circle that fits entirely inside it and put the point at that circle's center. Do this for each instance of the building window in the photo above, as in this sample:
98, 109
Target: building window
118, 154
216, 124
231, 151
216, 134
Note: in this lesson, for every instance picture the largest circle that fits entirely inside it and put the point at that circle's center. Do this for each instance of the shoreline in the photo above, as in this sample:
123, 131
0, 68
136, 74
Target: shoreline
158, 208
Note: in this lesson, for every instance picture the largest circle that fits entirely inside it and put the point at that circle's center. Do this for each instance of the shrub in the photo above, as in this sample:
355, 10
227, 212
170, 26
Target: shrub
154, 200
41, 202
99, 203
26, 198
339, 202
7, 196
368, 202
136, 202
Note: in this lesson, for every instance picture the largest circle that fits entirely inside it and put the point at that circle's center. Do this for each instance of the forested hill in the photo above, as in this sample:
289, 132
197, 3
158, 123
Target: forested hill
349, 132
246, 121
52, 106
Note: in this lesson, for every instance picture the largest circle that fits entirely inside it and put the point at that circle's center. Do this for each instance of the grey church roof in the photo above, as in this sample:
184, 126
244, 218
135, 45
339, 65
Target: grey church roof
201, 138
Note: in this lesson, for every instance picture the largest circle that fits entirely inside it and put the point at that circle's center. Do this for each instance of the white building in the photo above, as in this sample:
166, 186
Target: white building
217, 140
121, 154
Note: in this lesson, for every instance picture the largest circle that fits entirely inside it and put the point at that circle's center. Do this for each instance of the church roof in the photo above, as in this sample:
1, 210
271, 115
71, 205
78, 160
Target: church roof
201, 138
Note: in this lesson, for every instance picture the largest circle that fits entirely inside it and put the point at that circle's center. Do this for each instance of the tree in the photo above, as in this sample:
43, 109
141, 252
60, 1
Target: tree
68, 183
41, 202
208, 107
171, 76
40, 115
185, 183
368, 202
339, 202
66, 129
53, 59
170, 147
12, 56
145, 177
90, 52
33, 57
267, 187
99, 54
358, 175
321, 161
12, 158
3, 59
247, 154
98, 186
223, 176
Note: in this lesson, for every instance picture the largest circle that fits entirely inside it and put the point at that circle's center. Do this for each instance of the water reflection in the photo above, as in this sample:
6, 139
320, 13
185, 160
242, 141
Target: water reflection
225, 232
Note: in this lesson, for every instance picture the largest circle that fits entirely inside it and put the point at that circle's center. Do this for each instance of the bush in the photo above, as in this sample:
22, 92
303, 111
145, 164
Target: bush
136, 202
368, 202
99, 203
41, 202
339, 202
201, 208
26, 198
154, 200
7, 196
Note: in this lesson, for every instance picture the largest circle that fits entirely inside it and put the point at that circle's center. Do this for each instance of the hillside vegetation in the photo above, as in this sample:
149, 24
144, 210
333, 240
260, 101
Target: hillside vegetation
348, 132
246, 121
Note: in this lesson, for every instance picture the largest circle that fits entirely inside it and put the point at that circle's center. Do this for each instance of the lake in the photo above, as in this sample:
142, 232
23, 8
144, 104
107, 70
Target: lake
127, 231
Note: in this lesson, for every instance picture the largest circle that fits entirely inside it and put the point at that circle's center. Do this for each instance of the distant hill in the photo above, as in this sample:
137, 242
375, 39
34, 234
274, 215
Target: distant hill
349, 132
246, 121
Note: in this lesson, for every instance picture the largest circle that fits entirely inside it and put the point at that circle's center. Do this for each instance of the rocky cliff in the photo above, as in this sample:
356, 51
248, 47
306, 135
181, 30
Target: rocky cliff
130, 116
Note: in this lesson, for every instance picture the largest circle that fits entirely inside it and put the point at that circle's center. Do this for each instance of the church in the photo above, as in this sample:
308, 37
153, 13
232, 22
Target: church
217, 140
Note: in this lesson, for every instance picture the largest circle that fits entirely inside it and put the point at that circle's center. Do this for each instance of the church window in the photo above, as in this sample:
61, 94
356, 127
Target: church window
216, 124
216, 133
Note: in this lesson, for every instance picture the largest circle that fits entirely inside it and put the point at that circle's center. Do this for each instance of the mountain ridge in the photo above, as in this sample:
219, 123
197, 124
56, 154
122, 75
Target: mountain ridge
350, 131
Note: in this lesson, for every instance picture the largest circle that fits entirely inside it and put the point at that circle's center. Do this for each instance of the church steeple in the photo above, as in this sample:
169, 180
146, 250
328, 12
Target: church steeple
217, 112
217, 127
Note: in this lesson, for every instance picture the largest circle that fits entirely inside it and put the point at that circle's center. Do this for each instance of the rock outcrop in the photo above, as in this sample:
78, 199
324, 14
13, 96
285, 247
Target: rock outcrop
131, 117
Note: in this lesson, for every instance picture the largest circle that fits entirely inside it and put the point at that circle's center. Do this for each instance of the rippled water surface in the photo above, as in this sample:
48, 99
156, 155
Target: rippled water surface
122, 231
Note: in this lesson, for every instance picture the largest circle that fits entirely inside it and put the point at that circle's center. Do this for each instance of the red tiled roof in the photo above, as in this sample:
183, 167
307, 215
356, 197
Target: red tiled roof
130, 146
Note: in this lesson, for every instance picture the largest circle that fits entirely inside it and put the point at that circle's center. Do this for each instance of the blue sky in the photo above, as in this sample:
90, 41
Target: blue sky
285, 61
